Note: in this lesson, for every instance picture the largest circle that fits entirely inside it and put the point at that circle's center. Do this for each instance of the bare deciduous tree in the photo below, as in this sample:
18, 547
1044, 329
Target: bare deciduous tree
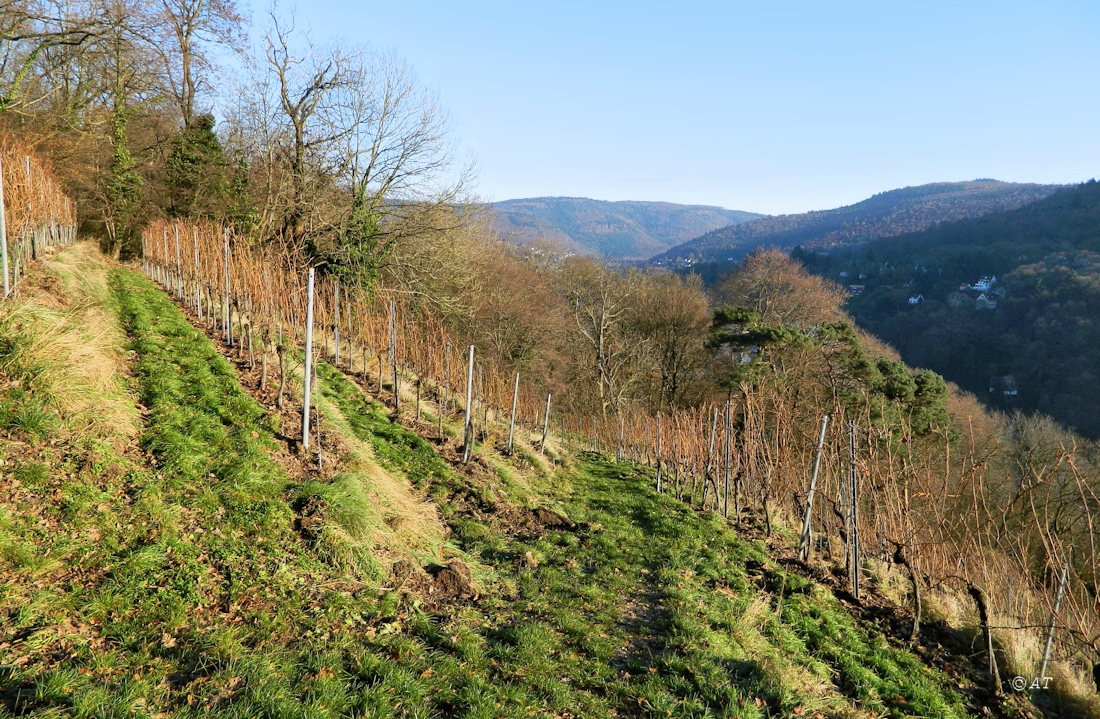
781, 292
351, 154
184, 33
599, 300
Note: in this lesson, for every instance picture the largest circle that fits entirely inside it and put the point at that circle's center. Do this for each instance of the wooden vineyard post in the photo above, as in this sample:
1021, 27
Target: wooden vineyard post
164, 273
179, 264
804, 540
853, 511
417, 399
309, 361
726, 467
30, 184
441, 408
3, 234
979, 597
393, 356
619, 444
481, 393
1053, 621
512, 421
248, 334
468, 440
198, 282
265, 336
446, 380
545, 425
228, 319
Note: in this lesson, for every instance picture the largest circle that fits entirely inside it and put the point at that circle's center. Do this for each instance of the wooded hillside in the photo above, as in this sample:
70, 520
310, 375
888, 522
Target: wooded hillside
885, 215
616, 230
1038, 326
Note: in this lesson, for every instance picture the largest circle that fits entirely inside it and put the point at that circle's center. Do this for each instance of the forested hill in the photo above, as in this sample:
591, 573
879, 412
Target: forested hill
630, 230
1033, 342
887, 214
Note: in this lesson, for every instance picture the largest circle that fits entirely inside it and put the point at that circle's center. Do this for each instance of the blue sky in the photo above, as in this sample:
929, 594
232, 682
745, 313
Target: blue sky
764, 106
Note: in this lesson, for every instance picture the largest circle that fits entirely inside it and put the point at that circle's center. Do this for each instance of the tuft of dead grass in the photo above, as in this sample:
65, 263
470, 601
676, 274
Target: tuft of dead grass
71, 347
371, 508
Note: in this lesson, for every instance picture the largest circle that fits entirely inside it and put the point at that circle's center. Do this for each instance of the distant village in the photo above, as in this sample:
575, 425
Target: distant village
982, 295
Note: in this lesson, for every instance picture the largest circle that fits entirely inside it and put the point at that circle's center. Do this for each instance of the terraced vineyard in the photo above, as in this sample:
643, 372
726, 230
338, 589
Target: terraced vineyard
182, 560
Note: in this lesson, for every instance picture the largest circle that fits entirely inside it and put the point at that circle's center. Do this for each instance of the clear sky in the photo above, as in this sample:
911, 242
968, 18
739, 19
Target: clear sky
765, 106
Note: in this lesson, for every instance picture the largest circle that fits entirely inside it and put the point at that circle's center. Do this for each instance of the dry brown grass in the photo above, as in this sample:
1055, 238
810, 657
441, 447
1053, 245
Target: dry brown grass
395, 520
75, 343
1075, 683
948, 607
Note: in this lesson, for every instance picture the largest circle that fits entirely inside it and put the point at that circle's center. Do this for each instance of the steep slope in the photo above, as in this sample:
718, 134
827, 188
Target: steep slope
884, 215
618, 230
203, 569
1038, 324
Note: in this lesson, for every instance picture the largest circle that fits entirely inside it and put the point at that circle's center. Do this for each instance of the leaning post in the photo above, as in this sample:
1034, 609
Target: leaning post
804, 540
512, 421
545, 425
1054, 621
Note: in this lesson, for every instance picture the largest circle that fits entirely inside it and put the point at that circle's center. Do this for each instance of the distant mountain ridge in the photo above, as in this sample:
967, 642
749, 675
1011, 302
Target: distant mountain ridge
625, 230
887, 214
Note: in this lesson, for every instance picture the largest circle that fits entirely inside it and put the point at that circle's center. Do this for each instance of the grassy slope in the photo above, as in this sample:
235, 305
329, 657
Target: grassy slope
168, 577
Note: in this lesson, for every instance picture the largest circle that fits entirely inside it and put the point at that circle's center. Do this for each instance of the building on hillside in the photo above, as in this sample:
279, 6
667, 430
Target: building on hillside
957, 299
856, 290
1004, 387
985, 302
916, 300
985, 283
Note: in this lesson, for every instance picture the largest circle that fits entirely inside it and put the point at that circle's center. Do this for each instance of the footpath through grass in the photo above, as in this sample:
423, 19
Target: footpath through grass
175, 583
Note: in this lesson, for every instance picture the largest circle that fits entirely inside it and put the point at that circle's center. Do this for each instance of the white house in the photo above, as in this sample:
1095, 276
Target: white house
916, 300
984, 283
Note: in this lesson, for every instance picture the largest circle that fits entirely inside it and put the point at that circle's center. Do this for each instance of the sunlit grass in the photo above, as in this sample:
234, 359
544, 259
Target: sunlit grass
175, 582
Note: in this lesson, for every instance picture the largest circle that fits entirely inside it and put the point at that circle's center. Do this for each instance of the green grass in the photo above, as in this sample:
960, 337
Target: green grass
174, 582
396, 448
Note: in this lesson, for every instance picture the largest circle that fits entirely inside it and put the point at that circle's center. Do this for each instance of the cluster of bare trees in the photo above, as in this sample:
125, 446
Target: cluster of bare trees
350, 156
104, 86
333, 151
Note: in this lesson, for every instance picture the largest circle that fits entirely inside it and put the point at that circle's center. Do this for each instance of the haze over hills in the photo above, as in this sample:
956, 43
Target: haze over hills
886, 214
627, 230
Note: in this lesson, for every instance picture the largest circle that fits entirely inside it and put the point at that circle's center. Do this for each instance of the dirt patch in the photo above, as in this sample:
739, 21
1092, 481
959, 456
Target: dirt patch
311, 518
436, 586
551, 520
453, 582
46, 287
